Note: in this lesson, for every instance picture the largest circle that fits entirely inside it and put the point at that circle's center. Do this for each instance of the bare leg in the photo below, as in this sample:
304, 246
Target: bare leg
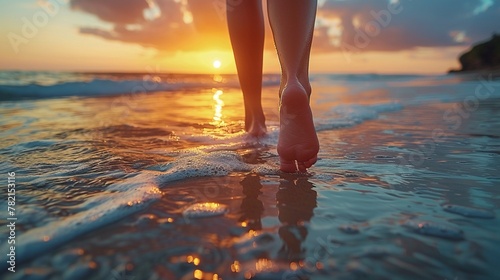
246, 30
292, 22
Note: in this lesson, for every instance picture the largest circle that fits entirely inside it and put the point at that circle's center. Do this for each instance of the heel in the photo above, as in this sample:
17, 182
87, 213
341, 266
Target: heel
295, 98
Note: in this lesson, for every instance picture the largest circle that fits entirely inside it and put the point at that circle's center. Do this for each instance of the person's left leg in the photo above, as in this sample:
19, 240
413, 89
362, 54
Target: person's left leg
246, 30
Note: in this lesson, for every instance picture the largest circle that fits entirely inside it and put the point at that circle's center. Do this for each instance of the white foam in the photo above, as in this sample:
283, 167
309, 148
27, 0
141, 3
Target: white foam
127, 197
338, 117
98, 211
233, 141
352, 114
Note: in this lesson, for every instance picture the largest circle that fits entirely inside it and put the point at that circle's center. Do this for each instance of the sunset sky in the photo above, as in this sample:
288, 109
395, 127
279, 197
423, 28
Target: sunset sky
187, 36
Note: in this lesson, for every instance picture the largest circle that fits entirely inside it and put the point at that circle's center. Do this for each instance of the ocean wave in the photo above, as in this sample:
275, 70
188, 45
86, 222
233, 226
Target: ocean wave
349, 115
90, 89
129, 196
41, 85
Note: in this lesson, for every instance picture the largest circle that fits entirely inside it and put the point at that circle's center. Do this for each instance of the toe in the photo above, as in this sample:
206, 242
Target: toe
301, 166
287, 166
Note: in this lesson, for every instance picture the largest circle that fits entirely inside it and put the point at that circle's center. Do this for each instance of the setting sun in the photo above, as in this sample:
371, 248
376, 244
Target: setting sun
217, 64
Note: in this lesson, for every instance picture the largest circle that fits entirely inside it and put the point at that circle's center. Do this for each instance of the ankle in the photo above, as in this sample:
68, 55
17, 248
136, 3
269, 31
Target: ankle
295, 81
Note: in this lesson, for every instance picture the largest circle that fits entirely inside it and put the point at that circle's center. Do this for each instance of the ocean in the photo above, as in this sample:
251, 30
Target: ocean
150, 176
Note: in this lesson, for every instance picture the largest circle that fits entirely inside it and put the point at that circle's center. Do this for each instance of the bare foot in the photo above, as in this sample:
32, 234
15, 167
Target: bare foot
255, 124
256, 128
298, 144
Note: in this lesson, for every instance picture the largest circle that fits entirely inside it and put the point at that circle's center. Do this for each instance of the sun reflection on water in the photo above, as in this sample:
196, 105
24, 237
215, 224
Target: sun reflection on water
219, 104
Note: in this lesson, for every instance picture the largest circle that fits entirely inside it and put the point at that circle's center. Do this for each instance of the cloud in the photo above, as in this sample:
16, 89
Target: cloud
115, 11
167, 25
356, 25
383, 25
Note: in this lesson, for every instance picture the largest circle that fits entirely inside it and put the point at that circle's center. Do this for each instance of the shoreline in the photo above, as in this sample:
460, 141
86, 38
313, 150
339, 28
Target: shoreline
355, 215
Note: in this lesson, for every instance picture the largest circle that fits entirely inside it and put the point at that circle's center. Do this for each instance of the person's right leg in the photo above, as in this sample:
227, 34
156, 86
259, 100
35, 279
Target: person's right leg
292, 22
246, 30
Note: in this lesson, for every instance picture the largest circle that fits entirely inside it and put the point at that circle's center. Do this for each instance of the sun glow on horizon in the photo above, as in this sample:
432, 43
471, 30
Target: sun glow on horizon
217, 64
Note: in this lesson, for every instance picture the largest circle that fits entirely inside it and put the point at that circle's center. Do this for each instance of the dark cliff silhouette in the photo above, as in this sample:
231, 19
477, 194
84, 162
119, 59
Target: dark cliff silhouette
483, 56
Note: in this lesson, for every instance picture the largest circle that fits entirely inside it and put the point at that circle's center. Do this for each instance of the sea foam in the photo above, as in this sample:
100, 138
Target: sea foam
127, 197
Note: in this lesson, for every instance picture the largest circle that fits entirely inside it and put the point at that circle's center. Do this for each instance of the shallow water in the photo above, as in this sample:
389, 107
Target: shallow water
406, 185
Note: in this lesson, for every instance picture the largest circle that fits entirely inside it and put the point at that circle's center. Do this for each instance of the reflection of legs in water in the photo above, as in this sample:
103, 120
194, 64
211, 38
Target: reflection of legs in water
251, 207
292, 22
246, 29
296, 202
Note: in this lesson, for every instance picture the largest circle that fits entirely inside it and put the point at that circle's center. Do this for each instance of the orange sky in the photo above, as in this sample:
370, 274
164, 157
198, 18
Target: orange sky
186, 38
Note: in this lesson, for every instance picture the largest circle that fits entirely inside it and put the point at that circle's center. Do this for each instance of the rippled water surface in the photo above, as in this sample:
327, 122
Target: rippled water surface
165, 185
